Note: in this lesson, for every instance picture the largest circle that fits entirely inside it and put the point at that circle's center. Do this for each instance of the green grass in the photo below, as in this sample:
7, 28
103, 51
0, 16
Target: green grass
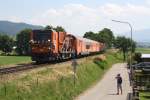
143, 50
8, 60
63, 87
144, 95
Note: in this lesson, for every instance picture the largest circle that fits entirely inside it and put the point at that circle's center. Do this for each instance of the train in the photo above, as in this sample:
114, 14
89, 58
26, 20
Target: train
49, 45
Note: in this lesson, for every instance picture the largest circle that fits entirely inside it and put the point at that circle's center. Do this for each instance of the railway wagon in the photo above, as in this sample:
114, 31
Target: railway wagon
48, 45
82, 46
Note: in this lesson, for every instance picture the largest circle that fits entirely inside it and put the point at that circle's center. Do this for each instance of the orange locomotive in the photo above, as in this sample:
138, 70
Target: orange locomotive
48, 45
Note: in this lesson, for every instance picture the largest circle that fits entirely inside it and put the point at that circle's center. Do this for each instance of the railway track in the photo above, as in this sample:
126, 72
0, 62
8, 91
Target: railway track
17, 68
23, 67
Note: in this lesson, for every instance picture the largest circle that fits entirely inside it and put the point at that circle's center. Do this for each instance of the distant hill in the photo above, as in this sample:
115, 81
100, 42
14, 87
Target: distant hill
142, 36
143, 44
13, 28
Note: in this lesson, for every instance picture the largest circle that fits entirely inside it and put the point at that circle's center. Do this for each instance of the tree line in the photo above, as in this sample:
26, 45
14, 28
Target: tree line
21, 43
106, 36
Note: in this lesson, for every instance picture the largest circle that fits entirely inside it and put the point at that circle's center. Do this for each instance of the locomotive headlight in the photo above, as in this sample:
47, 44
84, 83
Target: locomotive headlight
49, 40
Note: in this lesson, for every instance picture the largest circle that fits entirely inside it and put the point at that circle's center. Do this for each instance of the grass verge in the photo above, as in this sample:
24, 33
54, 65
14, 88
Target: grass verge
57, 84
144, 95
7, 60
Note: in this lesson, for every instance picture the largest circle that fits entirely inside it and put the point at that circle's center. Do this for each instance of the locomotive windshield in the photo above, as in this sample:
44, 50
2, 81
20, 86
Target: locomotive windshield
41, 35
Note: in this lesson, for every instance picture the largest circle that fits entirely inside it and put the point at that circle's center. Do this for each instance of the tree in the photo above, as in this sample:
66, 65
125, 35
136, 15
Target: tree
124, 44
6, 43
49, 27
106, 36
137, 57
22, 41
90, 35
57, 28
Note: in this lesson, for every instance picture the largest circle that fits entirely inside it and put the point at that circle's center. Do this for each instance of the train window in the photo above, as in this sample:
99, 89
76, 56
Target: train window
87, 46
41, 35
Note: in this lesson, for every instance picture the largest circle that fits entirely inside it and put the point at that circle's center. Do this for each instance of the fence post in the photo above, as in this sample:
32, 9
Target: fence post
37, 81
5, 89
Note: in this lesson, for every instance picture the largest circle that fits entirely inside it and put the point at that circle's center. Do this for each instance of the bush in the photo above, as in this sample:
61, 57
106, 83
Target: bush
137, 57
100, 61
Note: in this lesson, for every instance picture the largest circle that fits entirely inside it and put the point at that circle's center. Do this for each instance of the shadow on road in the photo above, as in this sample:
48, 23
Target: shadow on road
112, 94
129, 96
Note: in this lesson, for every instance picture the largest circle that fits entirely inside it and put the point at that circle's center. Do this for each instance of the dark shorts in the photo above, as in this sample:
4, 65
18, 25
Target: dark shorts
119, 86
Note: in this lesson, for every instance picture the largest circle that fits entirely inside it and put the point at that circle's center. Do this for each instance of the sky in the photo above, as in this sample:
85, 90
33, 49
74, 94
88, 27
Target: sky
79, 16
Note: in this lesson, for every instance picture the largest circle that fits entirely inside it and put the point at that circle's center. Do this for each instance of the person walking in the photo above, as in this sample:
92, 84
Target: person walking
119, 83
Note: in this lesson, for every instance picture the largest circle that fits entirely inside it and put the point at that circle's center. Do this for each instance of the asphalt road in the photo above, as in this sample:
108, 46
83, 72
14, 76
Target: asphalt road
106, 89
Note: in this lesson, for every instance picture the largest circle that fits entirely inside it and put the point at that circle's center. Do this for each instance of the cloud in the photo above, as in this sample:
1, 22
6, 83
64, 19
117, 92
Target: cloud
69, 13
112, 9
78, 18
117, 10
147, 2
73, 17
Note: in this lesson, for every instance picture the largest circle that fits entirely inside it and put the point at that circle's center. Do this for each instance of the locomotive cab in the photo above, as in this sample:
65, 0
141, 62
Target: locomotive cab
40, 36
40, 42
44, 45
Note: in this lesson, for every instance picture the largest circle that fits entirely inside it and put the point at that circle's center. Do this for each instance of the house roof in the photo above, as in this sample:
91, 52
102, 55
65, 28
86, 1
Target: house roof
145, 55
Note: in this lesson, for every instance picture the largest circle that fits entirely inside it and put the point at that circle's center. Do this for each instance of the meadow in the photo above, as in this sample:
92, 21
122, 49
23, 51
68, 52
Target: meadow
143, 50
11, 60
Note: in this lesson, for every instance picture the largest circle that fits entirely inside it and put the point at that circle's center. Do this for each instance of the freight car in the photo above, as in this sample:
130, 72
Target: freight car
49, 45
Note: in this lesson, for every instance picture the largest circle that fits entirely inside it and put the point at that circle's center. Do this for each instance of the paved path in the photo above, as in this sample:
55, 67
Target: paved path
106, 88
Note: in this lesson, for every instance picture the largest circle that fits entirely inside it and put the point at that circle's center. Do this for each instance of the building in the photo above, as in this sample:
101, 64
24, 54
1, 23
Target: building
145, 57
